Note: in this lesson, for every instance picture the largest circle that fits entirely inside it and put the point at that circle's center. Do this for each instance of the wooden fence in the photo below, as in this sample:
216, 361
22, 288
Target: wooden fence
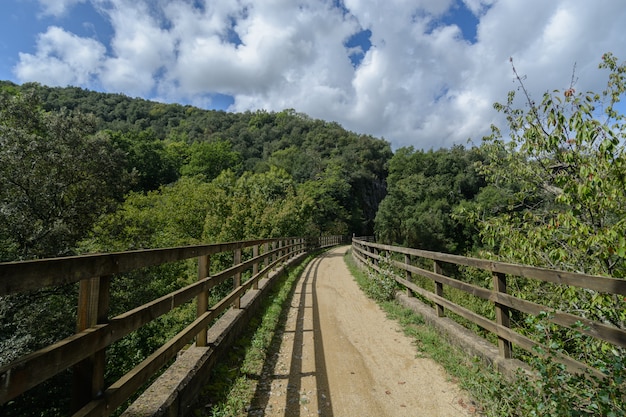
371, 254
84, 351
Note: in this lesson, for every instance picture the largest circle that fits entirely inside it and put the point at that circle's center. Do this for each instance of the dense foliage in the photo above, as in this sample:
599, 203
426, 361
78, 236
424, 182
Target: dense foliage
563, 173
165, 141
424, 190
556, 199
49, 163
564, 170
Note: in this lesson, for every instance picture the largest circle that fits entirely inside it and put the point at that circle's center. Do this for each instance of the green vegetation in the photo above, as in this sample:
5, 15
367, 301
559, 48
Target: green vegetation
380, 287
562, 170
551, 194
49, 162
424, 190
562, 173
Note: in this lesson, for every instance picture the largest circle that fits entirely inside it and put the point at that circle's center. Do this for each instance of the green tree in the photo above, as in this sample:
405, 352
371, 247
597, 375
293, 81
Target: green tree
424, 190
564, 170
255, 205
56, 178
302, 165
148, 158
173, 215
210, 159
562, 174
327, 198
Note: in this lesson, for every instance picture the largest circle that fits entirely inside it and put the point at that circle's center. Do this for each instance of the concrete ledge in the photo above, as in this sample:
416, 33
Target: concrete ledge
457, 335
175, 392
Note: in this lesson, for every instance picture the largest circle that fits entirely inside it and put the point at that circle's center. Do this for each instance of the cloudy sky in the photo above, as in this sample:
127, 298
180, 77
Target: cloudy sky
416, 72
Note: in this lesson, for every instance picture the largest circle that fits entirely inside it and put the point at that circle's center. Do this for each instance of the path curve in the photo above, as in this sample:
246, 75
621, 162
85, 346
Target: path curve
340, 356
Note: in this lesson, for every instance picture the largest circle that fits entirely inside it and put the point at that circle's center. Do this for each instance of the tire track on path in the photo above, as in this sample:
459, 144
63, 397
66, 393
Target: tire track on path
340, 356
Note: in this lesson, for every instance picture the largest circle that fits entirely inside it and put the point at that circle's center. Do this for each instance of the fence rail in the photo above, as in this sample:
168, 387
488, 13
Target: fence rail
84, 351
370, 254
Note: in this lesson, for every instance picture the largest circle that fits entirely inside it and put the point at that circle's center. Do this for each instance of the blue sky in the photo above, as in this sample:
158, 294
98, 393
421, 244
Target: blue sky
416, 72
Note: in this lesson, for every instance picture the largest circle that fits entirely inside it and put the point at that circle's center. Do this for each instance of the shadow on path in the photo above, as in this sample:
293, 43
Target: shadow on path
301, 387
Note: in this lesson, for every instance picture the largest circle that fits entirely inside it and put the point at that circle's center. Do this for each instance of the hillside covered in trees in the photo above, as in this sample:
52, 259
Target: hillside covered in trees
131, 151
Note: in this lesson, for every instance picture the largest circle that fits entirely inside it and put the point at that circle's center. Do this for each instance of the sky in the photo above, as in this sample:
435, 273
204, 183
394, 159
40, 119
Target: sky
422, 73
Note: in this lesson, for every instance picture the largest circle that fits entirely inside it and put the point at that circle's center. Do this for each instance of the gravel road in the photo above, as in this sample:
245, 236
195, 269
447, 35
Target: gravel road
340, 356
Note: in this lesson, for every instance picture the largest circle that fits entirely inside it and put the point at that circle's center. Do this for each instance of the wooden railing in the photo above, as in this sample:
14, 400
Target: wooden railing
372, 254
84, 351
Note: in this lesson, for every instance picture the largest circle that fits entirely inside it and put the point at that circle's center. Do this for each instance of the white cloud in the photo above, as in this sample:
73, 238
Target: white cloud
478, 7
58, 7
62, 59
140, 49
419, 84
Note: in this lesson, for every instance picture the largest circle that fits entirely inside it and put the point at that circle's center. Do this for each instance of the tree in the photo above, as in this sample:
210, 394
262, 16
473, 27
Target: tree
210, 159
425, 189
563, 173
557, 198
56, 178
302, 165
148, 158
564, 170
254, 205
327, 198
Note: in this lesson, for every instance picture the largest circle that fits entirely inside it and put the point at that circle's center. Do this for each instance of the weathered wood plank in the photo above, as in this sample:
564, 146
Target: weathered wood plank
96, 332
592, 328
501, 331
202, 303
31, 370
502, 315
592, 282
474, 290
438, 289
120, 391
35, 368
32, 275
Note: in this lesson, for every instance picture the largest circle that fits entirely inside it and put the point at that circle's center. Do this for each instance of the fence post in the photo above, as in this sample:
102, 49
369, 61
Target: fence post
407, 274
204, 263
237, 277
438, 289
93, 309
502, 315
274, 255
375, 252
255, 266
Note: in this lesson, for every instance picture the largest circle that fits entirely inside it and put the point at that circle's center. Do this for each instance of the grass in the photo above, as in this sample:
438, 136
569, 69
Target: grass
234, 379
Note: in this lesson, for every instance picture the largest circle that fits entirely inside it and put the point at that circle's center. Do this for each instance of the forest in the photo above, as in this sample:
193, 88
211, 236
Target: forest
83, 171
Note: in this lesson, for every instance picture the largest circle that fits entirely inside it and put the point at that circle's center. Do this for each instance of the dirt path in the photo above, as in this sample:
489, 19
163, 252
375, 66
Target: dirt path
340, 356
